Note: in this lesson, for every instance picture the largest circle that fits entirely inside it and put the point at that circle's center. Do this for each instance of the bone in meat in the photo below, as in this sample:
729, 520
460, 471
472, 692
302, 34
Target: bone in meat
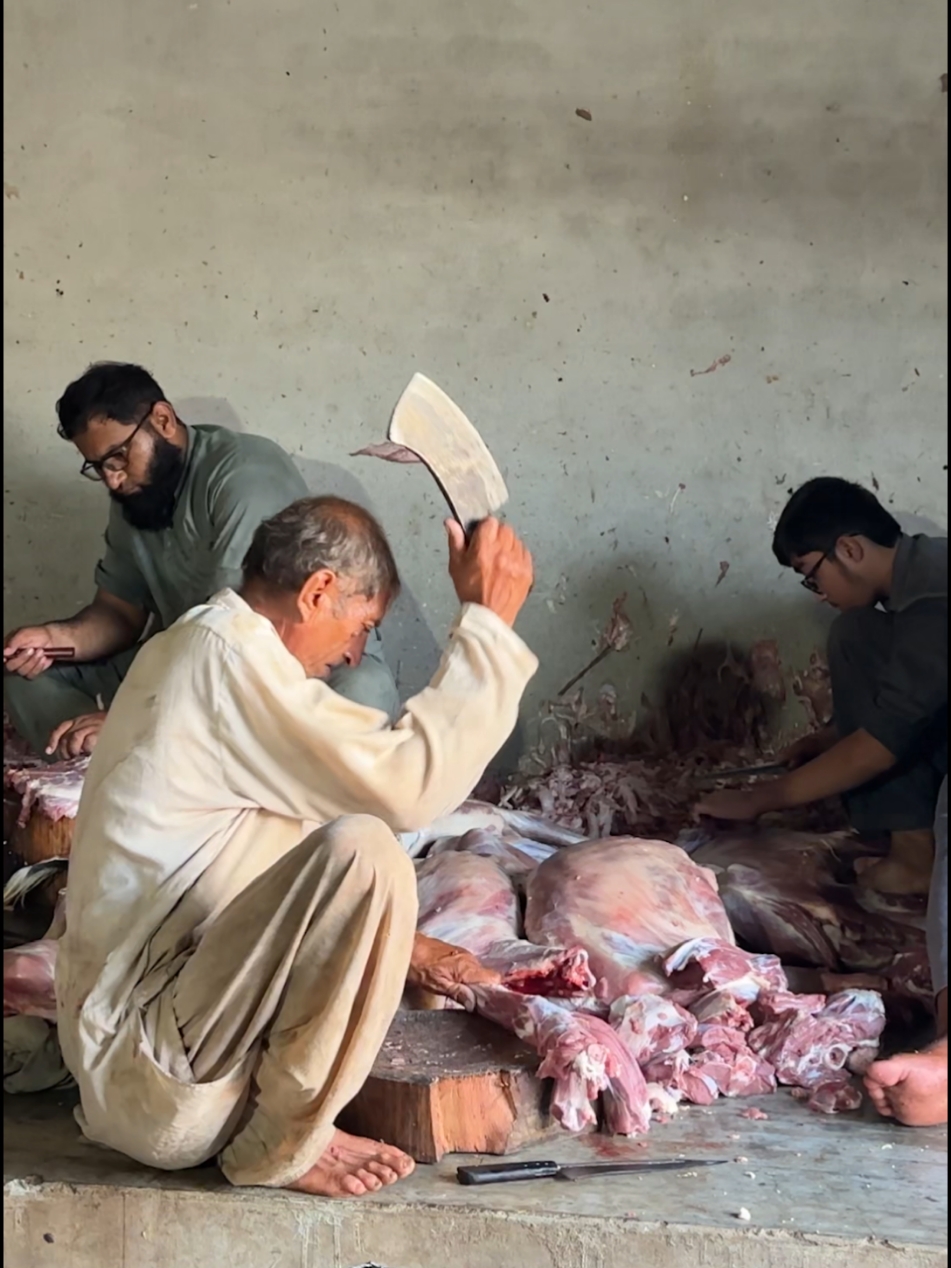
650, 1026
582, 1054
819, 1050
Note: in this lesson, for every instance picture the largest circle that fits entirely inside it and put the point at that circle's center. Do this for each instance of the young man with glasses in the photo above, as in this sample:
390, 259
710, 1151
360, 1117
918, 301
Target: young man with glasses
186, 501
886, 750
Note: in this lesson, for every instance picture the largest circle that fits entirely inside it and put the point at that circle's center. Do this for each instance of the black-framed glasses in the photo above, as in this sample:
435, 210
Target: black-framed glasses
809, 580
117, 459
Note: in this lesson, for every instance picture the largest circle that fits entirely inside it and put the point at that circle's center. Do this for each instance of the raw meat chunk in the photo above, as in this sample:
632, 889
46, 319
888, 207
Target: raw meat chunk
705, 964
650, 1026
28, 980
809, 1049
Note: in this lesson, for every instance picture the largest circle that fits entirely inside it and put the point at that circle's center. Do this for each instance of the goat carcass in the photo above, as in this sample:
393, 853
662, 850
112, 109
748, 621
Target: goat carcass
628, 903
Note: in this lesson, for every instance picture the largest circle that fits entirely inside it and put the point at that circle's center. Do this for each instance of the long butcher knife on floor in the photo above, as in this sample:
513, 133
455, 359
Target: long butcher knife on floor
433, 427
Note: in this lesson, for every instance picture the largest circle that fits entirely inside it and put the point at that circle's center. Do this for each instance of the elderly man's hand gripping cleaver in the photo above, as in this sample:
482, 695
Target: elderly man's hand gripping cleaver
434, 429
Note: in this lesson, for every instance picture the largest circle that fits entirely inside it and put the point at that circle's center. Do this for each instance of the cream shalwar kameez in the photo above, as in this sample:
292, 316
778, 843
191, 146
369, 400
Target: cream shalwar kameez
239, 912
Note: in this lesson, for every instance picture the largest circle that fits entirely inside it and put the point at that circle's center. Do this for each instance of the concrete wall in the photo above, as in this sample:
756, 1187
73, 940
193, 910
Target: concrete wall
285, 209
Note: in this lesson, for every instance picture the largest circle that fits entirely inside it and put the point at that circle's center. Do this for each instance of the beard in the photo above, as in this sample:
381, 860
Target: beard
152, 507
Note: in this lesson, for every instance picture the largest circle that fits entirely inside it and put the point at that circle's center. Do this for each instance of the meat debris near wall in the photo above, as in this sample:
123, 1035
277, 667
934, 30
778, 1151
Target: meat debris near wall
651, 961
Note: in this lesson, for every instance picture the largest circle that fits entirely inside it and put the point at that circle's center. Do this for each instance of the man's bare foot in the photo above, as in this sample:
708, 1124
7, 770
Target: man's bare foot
352, 1166
907, 868
912, 1087
894, 878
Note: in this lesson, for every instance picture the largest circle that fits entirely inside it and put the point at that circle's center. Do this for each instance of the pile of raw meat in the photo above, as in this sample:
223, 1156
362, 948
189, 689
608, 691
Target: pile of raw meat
51, 787
616, 948
619, 966
602, 774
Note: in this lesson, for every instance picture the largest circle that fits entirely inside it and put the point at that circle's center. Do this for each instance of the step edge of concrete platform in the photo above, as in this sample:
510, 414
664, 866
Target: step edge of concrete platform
337, 1212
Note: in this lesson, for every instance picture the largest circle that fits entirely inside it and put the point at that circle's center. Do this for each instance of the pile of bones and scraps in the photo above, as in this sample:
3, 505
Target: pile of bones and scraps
649, 962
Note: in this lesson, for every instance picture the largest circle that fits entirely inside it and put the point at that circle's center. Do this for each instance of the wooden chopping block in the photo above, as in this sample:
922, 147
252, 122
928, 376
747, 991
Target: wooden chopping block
448, 1082
41, 838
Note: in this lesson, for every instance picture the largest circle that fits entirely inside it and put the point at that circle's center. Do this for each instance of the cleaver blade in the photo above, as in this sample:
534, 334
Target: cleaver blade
427, 422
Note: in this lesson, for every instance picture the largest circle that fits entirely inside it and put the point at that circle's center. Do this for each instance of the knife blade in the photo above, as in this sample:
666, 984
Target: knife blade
743, 772
506, 1172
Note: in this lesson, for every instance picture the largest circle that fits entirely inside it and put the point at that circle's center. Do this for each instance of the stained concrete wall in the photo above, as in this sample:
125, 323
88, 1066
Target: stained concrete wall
285, 209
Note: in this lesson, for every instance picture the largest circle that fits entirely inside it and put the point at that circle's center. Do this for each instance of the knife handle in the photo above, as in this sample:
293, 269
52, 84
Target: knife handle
502, 1172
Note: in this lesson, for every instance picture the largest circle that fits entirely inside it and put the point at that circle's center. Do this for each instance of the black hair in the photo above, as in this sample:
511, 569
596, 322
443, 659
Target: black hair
825, 509
108, 389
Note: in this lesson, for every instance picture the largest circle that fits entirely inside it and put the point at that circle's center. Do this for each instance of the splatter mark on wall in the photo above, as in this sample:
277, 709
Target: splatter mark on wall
713, 366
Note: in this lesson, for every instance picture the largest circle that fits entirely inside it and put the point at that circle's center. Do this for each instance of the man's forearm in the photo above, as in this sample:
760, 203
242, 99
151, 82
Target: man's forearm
98, 630
846, 765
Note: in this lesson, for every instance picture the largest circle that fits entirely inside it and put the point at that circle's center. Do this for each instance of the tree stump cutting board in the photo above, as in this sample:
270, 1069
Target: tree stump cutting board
447, 1082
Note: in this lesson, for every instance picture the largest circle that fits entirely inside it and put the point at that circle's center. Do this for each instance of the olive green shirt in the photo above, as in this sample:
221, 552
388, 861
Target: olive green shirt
232, 481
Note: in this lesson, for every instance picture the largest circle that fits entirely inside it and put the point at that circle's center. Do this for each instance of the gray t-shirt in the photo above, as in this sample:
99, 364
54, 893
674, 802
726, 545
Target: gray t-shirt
911, 698
232, 481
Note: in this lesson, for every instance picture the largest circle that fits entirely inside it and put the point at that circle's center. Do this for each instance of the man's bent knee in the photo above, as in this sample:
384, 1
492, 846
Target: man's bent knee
367, 840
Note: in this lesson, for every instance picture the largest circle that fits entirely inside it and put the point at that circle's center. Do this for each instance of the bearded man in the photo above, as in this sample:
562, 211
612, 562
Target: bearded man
186, 501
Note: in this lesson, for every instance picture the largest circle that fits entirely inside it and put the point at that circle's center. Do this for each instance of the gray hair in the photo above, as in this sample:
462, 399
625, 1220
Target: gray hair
313, 534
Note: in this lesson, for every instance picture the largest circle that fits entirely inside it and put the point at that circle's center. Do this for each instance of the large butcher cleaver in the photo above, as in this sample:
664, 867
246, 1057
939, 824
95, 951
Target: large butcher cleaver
427, 422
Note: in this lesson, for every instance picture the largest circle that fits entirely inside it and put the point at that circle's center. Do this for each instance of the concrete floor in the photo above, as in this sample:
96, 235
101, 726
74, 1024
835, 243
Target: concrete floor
820, 1191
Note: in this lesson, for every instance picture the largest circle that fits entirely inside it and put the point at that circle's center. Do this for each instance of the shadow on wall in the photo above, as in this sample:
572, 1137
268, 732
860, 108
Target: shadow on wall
410, 646
913, 524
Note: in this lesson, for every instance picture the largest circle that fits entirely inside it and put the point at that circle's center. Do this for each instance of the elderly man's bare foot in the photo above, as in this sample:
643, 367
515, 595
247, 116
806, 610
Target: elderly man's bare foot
351, 1166
912, 1087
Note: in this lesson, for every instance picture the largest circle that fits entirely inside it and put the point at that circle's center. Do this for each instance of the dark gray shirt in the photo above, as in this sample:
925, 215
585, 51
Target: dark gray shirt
911, 701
